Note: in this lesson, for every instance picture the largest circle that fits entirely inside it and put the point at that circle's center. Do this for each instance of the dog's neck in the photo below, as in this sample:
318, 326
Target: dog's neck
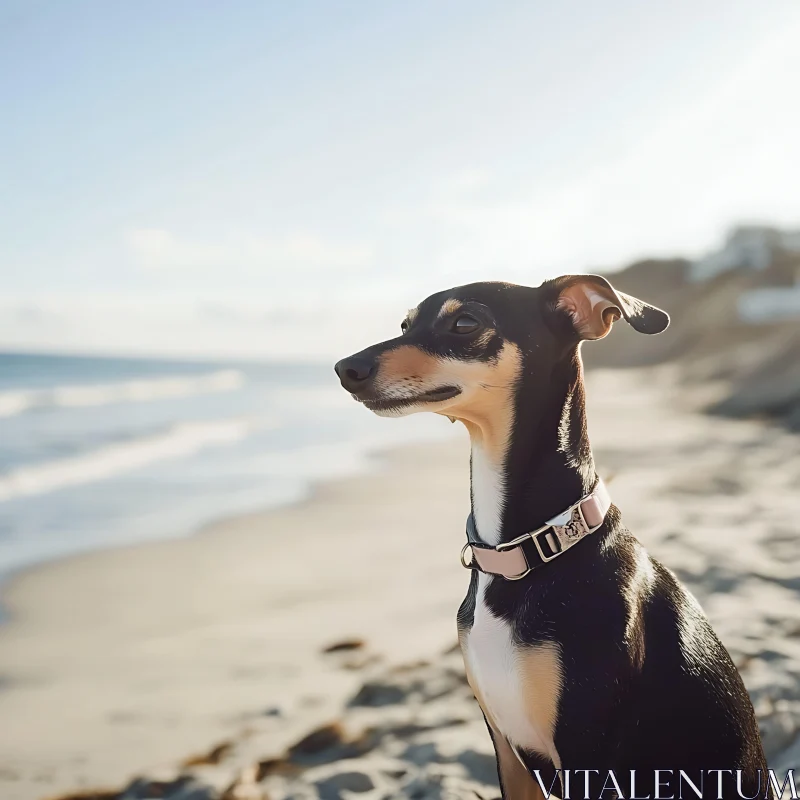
536, 461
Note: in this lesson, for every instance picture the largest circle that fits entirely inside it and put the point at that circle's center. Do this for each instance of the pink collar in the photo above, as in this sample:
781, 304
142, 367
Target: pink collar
515, 559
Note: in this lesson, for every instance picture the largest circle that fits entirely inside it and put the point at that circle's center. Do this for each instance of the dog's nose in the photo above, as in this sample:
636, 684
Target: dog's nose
353, 372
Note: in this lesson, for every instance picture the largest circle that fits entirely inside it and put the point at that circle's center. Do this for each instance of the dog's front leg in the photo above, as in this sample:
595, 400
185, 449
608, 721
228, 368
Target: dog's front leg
516, 783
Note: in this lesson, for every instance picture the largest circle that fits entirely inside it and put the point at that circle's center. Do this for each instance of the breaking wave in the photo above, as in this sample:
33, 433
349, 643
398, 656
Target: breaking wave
177, 442
102, 394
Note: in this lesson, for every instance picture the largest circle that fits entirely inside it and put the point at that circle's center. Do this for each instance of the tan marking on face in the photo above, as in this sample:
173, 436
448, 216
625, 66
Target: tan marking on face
485, 404
542, 680
406, 365
486, 337
449, 307
487, 409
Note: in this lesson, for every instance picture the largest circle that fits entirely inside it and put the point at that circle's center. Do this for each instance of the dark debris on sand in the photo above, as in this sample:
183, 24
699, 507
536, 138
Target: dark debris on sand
408, 732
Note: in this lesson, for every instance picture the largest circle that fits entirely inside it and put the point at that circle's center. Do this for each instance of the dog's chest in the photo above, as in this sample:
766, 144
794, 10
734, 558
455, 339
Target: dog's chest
518, 687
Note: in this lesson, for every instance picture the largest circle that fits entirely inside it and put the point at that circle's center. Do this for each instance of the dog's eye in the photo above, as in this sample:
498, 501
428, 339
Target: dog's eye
404, 326
465, 325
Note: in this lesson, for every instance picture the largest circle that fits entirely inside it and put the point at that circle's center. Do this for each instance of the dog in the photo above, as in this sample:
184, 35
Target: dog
585, 653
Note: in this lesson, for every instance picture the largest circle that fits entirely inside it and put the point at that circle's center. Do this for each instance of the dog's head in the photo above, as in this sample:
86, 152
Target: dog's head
461, 351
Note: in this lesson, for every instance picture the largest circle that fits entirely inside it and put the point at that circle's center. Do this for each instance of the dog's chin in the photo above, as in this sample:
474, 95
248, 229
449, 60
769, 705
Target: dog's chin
431, 400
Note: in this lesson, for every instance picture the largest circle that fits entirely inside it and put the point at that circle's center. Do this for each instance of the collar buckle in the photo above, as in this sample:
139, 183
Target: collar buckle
551, 540
549, 537
545, 531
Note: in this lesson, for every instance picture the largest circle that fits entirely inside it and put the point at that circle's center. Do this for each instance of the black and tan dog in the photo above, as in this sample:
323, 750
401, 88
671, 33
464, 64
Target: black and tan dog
583, 651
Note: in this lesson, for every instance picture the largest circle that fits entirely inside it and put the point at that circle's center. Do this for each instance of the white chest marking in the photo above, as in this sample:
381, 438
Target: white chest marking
488, 494
518, 687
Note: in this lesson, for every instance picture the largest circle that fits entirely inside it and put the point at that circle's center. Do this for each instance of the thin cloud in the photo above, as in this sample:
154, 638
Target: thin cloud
156, 249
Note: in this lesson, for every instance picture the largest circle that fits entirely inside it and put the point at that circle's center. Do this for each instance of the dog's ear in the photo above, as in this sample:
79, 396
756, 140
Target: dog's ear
594, 305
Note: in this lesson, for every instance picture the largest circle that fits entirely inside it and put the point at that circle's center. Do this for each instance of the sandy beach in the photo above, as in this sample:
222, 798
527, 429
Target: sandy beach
199, 662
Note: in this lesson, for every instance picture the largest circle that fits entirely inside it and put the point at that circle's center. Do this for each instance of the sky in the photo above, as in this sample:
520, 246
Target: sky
286, 179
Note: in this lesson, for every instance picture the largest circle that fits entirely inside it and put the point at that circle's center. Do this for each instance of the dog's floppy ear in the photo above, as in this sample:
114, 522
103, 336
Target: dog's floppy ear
594, 305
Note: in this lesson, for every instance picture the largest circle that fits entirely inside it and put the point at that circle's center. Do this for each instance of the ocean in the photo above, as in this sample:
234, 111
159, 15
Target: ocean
102, 452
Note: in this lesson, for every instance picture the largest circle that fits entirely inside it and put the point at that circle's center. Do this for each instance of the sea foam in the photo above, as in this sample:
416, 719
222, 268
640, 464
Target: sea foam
144, 390
179, 441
